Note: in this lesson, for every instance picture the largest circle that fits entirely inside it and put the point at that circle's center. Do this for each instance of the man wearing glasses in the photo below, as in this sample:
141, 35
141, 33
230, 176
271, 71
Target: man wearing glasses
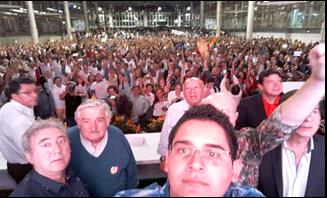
16, 117
201, 159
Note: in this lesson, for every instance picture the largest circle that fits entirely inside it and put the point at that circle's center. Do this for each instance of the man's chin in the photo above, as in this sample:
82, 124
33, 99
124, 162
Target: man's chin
194, 191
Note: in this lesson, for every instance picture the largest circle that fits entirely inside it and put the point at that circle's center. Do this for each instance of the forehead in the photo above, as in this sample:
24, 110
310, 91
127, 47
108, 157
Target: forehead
193, 82
90, 112
48, 133
201, 133
271, 77
27, 86
221, 102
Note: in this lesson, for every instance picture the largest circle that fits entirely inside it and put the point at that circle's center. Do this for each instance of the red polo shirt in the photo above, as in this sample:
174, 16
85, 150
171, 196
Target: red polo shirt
269, 108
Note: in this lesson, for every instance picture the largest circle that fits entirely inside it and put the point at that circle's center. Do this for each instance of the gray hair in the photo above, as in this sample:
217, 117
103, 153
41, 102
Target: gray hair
36, 127
93, 103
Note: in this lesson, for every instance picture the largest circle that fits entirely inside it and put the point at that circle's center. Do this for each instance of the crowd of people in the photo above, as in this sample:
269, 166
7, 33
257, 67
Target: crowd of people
195, 81
155, 65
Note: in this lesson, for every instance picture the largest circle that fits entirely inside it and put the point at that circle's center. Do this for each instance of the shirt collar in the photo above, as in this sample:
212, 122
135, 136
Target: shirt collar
265, 101
310, 146
22, 108
46, 182
165, 190
96, 152
187, 105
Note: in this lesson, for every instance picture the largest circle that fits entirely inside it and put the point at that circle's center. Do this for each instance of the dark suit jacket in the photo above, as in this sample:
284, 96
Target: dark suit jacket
270, 172
251, 112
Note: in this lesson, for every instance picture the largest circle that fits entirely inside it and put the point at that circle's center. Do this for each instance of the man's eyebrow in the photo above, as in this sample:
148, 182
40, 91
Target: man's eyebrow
206, 145
215, 146
43, 139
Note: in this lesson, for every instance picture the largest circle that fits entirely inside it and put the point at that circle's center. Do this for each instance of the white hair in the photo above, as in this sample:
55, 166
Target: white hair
93, 103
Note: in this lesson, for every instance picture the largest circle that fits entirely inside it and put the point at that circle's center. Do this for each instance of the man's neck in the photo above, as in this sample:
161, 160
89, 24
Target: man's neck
269, 99
298, 142
59, 177
298, 145
31, 107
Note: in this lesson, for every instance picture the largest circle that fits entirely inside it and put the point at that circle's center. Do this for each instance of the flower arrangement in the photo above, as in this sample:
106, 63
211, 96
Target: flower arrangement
127, 126
155, 125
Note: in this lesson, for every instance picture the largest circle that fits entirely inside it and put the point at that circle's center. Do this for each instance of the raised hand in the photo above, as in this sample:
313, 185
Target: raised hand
202, 47
317, 62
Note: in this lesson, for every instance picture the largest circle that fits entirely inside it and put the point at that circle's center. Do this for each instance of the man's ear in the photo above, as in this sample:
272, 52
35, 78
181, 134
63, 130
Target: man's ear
28, 157
234, 118
237, 167
13, 96
260, 86
165, 162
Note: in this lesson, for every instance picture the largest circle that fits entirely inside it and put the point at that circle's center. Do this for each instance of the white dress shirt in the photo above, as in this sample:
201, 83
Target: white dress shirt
295, 177
95, 152
150, 98
172, 96
100, 89
15, 119
159, 108
56, 91
174, 113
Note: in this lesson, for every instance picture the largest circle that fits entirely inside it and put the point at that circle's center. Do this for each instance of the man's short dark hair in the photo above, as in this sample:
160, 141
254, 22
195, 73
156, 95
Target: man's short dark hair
208, 112
112, 87
210, 80
136, 86
55, 78
235, 89
267, 73
15, 84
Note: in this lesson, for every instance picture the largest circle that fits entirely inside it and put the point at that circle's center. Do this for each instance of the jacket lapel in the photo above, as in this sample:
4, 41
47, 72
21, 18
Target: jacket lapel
261, 109
314, 172
277, 170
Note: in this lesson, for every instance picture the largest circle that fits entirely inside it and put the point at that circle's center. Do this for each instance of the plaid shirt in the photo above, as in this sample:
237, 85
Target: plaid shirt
254, 143
155, 190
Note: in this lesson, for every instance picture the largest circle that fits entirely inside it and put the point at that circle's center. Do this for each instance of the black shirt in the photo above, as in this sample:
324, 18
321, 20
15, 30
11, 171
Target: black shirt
72, 102
36, 185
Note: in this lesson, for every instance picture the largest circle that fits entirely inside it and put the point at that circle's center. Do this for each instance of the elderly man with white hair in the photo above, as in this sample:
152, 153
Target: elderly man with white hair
101, 154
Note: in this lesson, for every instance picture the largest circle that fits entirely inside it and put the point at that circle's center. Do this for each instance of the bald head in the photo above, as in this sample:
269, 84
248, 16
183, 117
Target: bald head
193, 80
225, 103
193, 90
